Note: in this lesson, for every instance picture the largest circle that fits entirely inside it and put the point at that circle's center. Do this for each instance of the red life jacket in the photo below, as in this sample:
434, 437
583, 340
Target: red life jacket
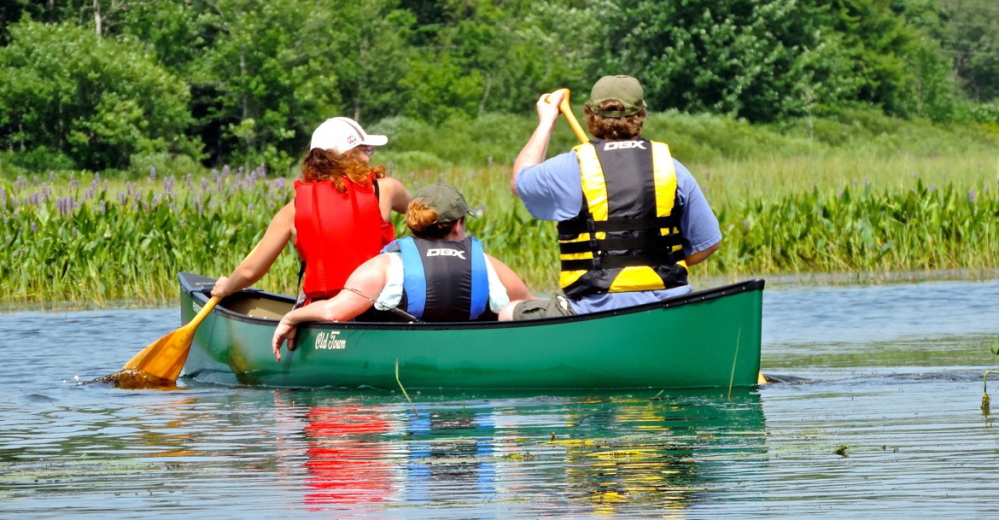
336, 233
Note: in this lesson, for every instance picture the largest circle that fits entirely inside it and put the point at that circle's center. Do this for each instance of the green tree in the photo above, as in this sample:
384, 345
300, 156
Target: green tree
474, 57
970, 38
759, 59
94, 100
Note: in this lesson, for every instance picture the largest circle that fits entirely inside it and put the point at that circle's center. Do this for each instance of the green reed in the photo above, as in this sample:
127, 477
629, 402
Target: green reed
91, 240
102, 242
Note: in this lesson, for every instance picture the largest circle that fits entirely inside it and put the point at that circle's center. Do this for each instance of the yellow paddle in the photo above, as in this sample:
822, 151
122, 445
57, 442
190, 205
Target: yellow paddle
160, 363
165, 358
578, 130
567, 112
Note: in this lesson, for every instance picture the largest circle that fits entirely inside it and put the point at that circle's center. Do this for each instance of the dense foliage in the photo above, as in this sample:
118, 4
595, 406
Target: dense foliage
117, 84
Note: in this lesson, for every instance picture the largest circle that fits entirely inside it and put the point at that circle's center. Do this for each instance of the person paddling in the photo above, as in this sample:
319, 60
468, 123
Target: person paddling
631, 219
439, 274
338, 219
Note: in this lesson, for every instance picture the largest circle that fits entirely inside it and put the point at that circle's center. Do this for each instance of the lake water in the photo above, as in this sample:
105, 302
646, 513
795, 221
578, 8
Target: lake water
878, 416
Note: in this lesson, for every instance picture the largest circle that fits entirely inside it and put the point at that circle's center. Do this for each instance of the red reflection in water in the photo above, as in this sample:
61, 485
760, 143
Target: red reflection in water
347, 459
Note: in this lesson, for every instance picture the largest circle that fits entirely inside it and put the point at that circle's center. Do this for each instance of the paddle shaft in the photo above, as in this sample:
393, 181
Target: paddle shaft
567, 112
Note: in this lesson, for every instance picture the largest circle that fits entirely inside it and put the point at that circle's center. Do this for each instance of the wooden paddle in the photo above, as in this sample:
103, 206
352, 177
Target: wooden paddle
162, 361
165, 358
578, 130
567, 112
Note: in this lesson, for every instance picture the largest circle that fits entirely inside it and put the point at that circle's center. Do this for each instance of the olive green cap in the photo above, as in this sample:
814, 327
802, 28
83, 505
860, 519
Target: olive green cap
446, 200
625, 89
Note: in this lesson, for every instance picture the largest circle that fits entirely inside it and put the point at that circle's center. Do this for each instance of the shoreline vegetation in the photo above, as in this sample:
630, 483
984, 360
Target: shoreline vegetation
855, 198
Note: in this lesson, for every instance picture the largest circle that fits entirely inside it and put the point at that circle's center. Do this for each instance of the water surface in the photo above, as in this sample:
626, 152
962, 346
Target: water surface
881, 418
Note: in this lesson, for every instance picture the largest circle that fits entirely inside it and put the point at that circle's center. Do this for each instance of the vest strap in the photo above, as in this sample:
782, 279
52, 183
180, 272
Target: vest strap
618, 261
574, 227
480, 281
414, 279
666, 244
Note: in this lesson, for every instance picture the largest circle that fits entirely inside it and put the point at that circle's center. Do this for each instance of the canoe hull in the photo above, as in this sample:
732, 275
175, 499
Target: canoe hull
707, 339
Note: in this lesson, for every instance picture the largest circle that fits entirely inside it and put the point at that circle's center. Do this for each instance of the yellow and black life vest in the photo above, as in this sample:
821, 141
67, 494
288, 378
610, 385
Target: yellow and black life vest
626, 236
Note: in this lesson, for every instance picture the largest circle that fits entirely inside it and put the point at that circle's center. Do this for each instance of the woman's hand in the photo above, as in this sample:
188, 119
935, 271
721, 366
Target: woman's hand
285, 332
219, 288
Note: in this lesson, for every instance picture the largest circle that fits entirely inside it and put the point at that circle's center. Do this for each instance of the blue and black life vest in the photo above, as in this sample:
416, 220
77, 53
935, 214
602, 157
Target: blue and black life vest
626, 236
444, 280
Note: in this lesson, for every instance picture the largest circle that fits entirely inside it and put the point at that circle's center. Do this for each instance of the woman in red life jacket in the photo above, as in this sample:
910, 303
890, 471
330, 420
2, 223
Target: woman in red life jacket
338, 219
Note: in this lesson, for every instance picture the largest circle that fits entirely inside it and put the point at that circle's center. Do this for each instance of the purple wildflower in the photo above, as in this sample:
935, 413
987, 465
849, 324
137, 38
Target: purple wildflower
972, 196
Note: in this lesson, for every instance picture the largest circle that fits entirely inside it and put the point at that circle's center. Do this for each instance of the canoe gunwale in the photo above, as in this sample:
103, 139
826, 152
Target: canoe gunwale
199, 288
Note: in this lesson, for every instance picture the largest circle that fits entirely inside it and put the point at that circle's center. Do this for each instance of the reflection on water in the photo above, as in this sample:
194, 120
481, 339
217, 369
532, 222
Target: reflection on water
577, 455
881, 418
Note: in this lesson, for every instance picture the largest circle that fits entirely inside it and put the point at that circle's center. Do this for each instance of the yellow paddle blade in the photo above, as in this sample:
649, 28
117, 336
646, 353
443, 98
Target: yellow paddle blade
165, 357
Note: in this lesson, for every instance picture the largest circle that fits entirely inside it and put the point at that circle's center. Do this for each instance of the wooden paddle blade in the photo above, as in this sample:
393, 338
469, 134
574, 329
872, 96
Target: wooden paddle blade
165, 357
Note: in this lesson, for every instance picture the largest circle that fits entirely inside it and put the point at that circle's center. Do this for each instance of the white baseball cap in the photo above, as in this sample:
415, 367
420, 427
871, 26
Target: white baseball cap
342, 134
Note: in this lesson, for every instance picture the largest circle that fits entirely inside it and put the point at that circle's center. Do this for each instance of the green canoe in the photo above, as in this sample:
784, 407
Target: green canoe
708, 338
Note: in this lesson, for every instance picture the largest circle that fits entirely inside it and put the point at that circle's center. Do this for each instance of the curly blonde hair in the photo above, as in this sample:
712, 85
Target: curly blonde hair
327, 165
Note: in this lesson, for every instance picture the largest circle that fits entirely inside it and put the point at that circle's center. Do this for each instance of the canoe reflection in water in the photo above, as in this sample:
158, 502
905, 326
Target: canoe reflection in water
585, 456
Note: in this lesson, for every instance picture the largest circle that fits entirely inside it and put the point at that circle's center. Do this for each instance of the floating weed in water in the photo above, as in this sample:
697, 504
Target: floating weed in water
986, 401
841, 451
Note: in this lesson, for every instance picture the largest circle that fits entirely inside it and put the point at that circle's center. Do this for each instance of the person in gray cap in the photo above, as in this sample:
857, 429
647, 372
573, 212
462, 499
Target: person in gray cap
438, 274
631, 219
338, 219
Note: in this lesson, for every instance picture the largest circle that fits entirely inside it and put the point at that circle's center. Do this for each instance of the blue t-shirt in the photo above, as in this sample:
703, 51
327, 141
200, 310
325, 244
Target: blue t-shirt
553, 191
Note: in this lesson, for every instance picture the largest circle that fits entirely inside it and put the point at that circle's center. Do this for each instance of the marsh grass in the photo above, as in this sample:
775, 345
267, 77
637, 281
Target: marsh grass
858, 194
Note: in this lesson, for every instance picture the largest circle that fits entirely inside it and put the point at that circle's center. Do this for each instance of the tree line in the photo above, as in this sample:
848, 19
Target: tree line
108, 84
